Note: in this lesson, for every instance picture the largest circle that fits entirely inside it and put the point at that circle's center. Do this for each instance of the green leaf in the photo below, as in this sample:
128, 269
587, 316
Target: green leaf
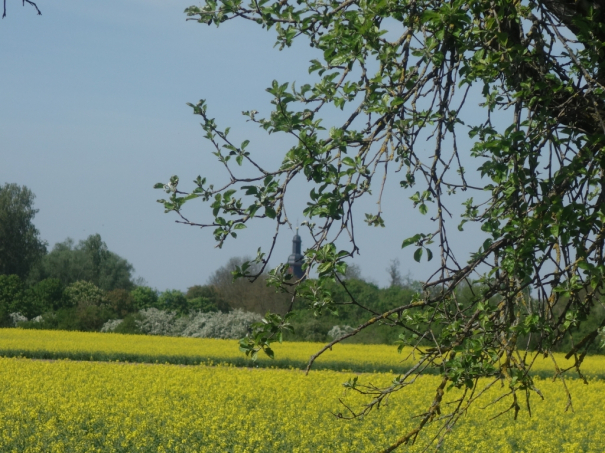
348, 161
418, 254
411, 240
340, 59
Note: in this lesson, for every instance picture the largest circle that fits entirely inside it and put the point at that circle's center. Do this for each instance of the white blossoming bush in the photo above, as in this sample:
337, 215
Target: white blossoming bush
199, 325
234, 324
157, 322
16, 318
339, 331
111, 325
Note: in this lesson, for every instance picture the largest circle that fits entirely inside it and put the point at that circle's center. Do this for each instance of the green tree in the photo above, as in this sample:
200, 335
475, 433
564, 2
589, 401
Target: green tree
12, 298
45, 296
89, 260
85, 293
205, 298
499, 102
145, 297
121, 302
250, 296
16, 297
173, 300
20, 243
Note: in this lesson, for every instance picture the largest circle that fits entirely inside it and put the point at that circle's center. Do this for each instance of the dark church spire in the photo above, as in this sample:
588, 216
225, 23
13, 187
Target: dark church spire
295, 260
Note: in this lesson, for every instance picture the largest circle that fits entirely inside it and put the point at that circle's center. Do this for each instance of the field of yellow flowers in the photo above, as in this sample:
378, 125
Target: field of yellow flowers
69, 406
55, 344
88, 346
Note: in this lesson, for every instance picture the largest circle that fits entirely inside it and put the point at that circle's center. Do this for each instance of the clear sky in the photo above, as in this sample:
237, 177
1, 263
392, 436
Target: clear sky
93, 113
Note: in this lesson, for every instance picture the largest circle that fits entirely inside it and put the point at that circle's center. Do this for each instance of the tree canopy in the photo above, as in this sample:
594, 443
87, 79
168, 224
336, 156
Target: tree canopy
496, 103
89, 260
20, 243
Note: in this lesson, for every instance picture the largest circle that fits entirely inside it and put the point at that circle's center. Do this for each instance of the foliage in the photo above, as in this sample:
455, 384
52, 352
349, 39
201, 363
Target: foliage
499, 102
16, 297
89, 260
83, 317
49, 305
308, 327
12, 292
47, 295
173, 300
145, 297
85, 307
120, 302
20, 243
253, 296
85, 293
205, 298
128, 325
5, 320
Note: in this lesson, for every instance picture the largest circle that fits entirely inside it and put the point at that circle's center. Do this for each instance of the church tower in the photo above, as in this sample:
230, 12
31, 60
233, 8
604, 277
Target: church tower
295, 260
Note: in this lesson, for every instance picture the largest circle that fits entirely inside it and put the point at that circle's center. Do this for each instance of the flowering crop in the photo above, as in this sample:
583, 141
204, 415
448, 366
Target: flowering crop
54, 344
59, 406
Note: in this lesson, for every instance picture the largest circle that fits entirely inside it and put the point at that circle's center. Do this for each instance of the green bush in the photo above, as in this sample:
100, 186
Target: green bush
46, 295
205, 299
5, 320
173, 300
12, 292
86, 293
84, 317
129, 324
145, 297
121, 302
91, 317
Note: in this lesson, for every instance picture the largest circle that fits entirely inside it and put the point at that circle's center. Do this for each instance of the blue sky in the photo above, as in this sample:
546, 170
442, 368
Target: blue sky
93, 113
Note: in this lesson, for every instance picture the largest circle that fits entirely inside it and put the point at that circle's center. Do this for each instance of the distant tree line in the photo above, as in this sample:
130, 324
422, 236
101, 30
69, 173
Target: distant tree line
82, 286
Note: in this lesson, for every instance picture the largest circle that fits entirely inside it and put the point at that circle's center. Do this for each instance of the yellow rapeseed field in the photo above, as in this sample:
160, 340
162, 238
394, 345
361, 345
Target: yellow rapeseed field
54, 344
67, 406
152, 349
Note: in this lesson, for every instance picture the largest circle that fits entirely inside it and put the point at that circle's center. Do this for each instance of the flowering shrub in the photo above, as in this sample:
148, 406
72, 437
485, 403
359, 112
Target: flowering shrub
339, 331
157, 322
199, 325
234, 324
85, 293
111, 325
16, 318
